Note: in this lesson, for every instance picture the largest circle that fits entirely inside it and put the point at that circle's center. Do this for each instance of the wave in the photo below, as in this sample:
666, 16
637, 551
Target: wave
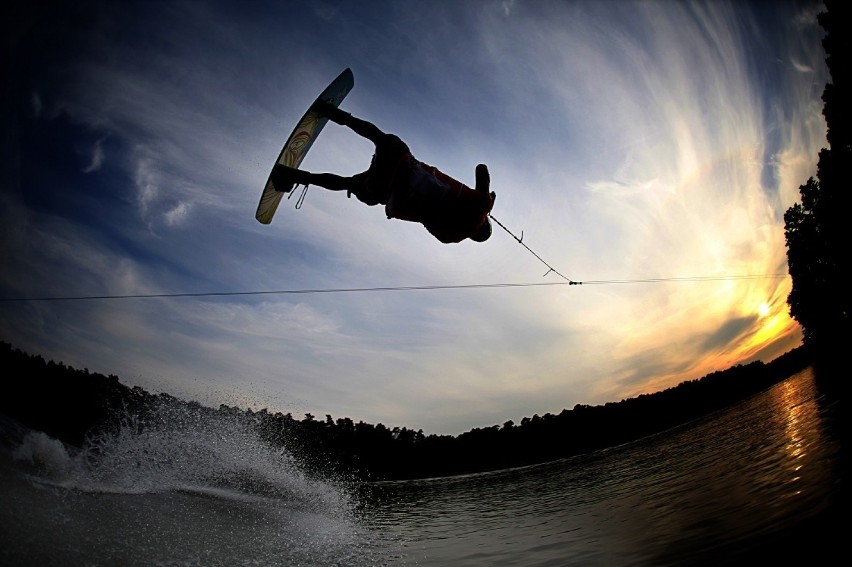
177, 485
179, 448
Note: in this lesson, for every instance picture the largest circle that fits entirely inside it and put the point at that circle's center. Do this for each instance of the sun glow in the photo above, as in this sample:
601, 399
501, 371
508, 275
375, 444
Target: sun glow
763, 309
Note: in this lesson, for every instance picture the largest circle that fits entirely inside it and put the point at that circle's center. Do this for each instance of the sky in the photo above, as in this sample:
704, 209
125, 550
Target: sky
649, 149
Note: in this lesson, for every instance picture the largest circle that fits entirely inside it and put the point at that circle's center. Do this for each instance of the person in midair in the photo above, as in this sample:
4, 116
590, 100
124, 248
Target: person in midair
409, 189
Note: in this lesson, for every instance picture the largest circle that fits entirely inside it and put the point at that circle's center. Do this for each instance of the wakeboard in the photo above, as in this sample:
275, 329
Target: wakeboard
300, 141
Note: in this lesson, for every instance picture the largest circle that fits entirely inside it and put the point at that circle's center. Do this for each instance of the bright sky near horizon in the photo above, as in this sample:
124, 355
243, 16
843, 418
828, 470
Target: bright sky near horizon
627, 140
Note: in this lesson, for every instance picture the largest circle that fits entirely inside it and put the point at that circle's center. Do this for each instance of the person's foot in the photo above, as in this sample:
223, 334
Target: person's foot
285, 178
483, 179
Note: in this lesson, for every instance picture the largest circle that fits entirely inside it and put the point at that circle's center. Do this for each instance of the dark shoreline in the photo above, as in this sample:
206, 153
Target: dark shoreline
70, 405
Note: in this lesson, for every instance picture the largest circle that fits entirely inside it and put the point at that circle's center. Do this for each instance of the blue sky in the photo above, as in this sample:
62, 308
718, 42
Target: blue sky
627, 140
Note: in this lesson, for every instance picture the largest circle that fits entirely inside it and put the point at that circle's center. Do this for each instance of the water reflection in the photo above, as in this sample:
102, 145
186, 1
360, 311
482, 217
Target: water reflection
720, 487
789, 398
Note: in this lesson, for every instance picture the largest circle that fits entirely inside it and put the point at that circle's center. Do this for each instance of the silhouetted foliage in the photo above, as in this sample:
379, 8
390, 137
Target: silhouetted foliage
70, 404
817, 229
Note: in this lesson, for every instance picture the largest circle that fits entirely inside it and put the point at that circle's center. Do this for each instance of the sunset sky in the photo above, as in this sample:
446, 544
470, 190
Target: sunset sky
647, 148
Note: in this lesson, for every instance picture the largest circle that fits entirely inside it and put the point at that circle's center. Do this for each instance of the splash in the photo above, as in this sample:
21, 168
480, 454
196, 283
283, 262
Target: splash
184, 448
175, 481
47, 457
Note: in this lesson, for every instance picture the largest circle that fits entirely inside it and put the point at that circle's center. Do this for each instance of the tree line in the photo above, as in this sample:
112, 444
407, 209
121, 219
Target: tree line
817, 230
72, 405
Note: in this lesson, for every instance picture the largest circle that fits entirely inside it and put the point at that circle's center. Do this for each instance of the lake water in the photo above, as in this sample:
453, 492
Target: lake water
757, 482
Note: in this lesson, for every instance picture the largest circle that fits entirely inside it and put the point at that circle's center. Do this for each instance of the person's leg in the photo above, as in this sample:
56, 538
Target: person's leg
285, 177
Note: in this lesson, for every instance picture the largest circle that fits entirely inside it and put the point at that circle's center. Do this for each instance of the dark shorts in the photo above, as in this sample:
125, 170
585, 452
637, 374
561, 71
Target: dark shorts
373, 187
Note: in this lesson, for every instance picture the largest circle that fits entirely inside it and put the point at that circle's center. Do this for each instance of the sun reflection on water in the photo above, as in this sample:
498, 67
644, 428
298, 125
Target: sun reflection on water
796, 407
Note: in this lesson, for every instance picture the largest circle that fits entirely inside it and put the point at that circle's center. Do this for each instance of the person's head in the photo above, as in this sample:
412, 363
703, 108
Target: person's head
483, 232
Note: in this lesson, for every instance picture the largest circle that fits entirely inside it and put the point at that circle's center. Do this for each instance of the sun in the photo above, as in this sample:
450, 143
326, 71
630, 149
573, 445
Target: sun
763, 309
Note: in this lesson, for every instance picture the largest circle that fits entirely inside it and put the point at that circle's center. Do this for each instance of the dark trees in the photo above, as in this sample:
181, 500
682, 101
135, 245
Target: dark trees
817, 230
72, 405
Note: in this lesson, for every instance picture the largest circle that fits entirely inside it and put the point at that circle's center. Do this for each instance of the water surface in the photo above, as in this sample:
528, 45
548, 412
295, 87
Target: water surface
759, 481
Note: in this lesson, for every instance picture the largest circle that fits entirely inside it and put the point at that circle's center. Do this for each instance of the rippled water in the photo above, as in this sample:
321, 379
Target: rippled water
757, 482
750, 481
